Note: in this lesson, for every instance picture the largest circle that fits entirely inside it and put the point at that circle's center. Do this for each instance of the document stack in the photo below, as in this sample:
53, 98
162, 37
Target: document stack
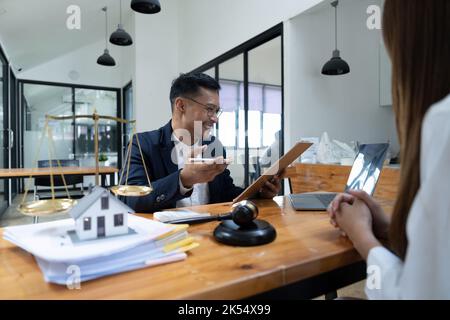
59, 256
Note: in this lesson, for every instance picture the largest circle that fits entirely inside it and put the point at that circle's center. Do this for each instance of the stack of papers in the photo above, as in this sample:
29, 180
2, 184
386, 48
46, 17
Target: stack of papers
59, 257
310, 155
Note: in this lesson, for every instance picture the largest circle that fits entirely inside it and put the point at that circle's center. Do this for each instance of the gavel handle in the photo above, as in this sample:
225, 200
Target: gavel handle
197, 220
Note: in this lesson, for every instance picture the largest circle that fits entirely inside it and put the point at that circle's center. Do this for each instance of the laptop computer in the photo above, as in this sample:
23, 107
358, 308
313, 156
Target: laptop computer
364, 175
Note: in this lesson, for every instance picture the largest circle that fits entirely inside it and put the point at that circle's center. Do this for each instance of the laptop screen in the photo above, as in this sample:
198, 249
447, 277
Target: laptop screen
367, 167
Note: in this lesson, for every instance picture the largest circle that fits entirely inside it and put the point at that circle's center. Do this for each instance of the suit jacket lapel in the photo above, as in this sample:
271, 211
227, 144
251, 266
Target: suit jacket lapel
167, 145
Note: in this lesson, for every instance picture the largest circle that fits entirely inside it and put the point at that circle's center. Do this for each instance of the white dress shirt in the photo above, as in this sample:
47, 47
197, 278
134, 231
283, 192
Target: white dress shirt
200, 194
425, 273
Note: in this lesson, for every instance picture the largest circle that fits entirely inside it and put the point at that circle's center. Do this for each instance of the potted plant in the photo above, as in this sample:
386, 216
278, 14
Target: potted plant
102, 158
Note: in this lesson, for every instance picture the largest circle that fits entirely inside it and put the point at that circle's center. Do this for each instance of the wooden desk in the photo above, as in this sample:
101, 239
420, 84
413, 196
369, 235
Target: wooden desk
85, 171
308, 258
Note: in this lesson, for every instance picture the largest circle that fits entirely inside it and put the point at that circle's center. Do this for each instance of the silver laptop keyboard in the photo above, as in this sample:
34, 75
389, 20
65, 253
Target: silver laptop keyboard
326, 198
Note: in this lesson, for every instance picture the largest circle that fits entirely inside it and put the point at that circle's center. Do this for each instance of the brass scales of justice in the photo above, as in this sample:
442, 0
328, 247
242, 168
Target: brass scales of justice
41, 208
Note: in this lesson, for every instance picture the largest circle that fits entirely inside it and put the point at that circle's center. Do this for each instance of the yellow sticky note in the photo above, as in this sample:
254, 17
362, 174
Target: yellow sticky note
172, 246
178, 228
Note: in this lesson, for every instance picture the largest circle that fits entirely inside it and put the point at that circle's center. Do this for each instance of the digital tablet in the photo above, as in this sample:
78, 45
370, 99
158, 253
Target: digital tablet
275, 169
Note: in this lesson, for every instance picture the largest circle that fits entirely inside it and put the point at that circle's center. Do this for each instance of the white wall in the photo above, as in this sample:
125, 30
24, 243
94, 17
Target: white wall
209, 28
128, 55
156, 65
348, 106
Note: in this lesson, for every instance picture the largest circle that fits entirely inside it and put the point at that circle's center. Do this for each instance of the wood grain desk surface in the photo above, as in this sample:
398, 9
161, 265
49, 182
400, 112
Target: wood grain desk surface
26, 172
306, 245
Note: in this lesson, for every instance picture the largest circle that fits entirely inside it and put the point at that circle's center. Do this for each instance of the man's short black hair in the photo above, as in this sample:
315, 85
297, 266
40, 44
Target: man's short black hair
188, 84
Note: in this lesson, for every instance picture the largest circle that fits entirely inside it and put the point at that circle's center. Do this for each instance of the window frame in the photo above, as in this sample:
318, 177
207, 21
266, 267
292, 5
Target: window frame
87, 224
262, 112
126, 107
9, 154
244, 48
73, 87
118, 218
104, 202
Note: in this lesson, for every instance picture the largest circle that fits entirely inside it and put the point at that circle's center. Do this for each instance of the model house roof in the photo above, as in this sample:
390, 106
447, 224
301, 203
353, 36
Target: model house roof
87, 201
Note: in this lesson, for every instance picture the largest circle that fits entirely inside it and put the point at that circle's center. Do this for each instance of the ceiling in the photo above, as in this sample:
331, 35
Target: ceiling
33, 32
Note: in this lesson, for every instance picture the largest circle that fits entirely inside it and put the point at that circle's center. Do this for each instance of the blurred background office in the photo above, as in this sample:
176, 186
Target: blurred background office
267, 57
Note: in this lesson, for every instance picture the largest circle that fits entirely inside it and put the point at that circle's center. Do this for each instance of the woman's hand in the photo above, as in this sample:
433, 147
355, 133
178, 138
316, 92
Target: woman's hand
355, 220
333, 207
380, 220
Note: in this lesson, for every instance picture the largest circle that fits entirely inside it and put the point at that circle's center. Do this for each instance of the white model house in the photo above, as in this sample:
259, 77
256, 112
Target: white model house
99, 214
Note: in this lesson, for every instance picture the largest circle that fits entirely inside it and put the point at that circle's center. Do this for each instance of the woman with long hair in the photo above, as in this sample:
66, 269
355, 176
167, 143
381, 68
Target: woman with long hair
416, 262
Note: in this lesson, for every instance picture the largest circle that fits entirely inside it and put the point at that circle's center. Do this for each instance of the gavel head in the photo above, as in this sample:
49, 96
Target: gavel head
244, 212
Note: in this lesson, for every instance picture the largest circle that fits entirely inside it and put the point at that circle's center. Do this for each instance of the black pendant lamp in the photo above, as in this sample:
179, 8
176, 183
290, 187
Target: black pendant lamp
120, 37
105, 59
336, 66
146, 6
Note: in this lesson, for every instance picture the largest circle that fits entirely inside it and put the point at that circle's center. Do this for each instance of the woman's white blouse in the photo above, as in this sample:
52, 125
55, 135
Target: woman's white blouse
425, 272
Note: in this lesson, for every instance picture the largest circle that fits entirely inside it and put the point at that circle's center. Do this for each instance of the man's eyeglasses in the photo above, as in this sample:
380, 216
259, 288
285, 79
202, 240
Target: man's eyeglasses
211, 109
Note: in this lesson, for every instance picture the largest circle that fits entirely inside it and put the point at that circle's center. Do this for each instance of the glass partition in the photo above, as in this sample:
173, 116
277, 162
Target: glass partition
211, 72
128, 112
251, 97
265, 106
40, 100
72, 140
231, 123
88, 101
3, 132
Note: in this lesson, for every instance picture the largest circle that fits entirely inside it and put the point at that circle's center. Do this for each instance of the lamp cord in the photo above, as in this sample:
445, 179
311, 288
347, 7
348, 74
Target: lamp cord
120, 12
335, 26
106, 28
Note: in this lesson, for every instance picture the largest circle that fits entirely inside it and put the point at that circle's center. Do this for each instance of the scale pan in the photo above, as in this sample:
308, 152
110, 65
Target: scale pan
131, 191
42, 208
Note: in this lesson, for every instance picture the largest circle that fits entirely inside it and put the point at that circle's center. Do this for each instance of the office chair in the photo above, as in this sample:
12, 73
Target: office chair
254, 168
71, 180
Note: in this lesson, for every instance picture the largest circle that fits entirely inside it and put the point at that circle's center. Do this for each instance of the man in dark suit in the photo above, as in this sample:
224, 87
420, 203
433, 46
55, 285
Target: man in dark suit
175, 179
